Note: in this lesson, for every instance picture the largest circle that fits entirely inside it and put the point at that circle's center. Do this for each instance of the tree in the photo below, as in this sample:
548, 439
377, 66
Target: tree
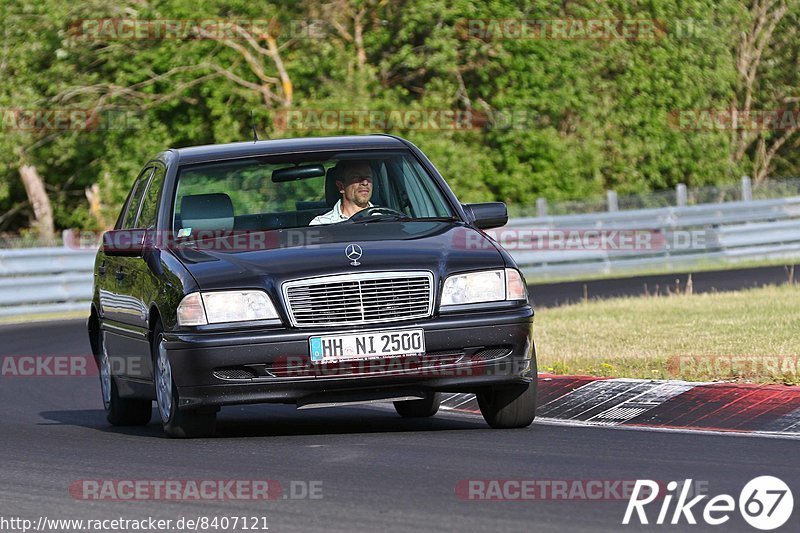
769, 35
563, 118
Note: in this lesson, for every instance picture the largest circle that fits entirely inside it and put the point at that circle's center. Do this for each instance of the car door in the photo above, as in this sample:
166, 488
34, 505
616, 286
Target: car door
133, 273
140, 282
114, 302
123, 314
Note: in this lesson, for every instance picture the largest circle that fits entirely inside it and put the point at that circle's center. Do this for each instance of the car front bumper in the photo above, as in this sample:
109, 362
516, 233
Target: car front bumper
464, 353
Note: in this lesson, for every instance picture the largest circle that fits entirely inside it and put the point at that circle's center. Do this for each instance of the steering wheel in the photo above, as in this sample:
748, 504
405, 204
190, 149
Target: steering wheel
376, 211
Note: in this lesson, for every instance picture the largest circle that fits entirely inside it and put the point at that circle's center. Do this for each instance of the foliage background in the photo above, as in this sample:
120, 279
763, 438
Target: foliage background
596, 111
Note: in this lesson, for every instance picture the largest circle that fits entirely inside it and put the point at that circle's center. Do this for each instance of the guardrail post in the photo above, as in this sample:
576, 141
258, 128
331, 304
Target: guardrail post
747, 189
541, 207
613, 201
681, 195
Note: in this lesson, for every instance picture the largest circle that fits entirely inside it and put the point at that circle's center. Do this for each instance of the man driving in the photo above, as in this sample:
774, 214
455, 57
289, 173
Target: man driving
354, 182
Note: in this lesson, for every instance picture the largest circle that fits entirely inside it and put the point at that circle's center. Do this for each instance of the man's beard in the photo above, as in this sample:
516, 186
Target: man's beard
362, 203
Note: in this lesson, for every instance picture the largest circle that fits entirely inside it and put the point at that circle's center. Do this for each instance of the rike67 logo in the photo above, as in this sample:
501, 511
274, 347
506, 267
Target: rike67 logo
765, 503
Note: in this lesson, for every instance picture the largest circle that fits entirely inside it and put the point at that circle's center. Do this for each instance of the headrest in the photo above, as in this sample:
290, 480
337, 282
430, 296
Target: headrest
207, 212
332, 194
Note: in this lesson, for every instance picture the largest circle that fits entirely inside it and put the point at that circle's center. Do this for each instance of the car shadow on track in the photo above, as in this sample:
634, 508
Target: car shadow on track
281, 420
96, 419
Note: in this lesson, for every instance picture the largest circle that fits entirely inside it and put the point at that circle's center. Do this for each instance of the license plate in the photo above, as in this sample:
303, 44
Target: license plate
366, 345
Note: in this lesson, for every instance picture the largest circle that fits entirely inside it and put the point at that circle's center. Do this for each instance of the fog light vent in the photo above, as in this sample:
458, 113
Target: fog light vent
493, 352
234, 373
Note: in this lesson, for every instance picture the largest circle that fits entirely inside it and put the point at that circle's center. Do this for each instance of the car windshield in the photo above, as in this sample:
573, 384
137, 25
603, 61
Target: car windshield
298, 190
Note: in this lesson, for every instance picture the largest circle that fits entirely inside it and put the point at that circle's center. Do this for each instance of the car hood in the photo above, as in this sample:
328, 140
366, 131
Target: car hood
267, 259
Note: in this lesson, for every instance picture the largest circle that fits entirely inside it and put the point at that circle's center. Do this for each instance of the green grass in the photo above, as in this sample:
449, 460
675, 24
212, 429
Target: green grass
43, 317
751, 335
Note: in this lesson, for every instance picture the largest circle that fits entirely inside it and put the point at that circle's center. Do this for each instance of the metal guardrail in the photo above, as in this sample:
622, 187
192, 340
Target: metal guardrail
46, 280
716, 234
680, 196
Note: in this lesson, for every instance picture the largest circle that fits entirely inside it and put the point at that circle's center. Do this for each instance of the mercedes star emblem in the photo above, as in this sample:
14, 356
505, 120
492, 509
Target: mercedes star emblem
353, 252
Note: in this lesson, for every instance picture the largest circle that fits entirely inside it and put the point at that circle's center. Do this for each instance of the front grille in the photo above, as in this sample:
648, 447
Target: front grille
359, 298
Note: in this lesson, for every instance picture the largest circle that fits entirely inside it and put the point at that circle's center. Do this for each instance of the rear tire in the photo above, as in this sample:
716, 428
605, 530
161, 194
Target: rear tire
419, 408
511, 407
177, 423
119, 411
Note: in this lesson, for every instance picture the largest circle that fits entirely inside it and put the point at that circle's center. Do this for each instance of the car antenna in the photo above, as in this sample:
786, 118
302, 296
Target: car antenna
253, 122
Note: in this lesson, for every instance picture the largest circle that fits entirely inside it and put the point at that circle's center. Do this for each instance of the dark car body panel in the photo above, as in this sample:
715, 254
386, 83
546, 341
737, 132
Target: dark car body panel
439, 247
191, 355
132, 293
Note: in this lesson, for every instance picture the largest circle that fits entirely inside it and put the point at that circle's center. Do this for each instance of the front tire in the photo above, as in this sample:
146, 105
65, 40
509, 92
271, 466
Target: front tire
510, 407
119, 411
177, 423
426, 407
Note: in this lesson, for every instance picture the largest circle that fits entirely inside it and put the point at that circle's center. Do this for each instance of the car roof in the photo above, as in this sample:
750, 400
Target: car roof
214, 152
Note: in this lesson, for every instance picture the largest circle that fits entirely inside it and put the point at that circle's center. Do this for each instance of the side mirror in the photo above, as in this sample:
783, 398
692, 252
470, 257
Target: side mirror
124, 242
487, 215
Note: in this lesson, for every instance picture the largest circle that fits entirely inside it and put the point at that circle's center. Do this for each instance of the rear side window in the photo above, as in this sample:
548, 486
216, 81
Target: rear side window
147, 215
135, 199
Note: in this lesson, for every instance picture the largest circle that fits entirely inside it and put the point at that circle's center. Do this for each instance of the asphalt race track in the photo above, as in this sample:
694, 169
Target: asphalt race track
377, 472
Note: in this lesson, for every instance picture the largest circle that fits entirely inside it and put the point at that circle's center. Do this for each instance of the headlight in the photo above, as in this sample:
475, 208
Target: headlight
488, 286
201, 308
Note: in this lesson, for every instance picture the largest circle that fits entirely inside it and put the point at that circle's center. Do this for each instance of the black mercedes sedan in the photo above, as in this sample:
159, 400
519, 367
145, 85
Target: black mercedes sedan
315, 272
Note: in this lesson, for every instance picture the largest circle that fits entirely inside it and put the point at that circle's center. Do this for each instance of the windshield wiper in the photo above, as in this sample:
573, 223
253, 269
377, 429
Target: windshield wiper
377, 218
438, 219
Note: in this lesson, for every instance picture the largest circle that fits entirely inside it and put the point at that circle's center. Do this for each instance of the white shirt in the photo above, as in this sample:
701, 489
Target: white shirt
333, 216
